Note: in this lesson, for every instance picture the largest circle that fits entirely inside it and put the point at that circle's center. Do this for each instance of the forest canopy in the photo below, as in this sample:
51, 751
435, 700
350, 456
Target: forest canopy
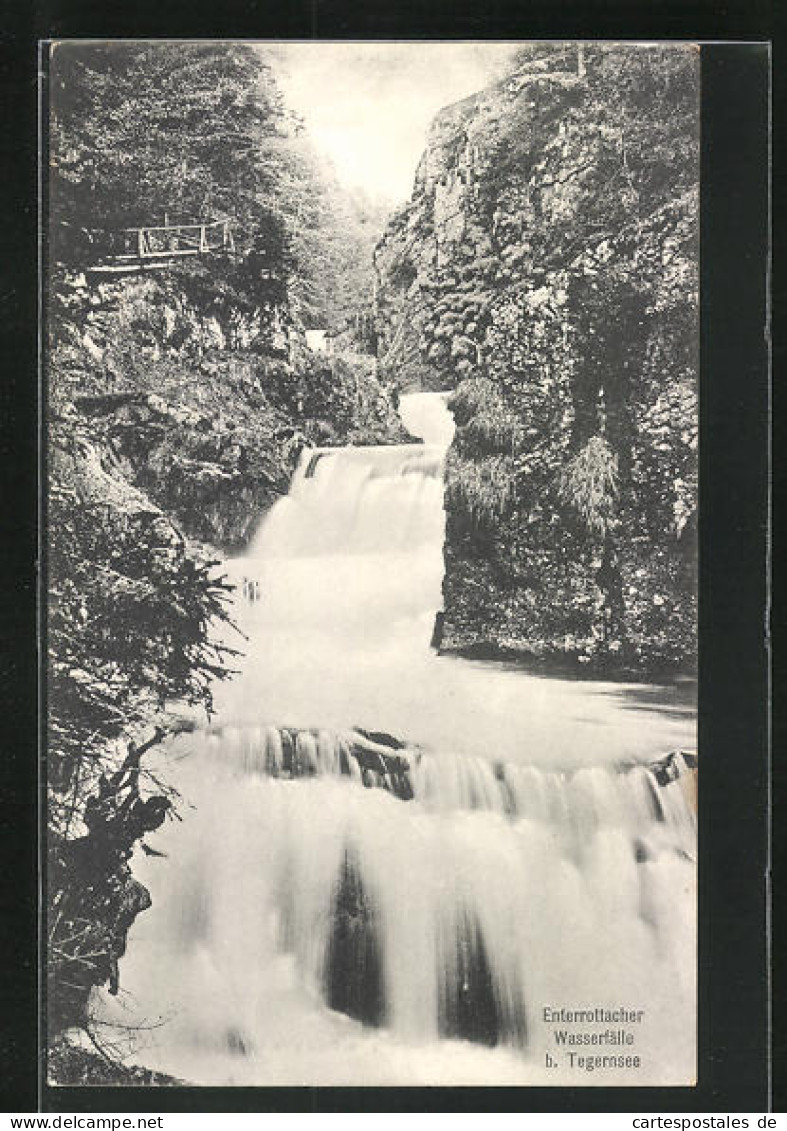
147, 133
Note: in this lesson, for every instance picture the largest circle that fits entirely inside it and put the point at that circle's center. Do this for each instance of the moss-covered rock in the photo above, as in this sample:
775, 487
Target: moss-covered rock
571, 484
203, 408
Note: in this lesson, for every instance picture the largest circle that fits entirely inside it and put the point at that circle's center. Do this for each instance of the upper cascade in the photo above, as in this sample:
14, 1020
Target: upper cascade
365, 499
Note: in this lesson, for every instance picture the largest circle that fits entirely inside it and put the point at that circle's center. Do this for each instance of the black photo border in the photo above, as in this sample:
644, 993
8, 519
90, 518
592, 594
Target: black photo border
734, 985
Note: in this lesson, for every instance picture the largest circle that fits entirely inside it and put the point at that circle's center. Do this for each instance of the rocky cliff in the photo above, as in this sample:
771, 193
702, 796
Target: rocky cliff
206, 413
545, 269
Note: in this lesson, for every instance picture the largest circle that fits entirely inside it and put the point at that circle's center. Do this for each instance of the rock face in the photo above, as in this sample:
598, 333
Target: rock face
206, 407
546, 270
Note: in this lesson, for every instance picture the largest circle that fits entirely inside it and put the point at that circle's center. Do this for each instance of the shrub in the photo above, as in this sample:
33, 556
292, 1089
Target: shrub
589, 484
481, 491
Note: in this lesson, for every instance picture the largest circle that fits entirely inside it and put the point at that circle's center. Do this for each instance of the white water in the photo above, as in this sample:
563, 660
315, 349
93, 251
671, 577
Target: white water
538, 863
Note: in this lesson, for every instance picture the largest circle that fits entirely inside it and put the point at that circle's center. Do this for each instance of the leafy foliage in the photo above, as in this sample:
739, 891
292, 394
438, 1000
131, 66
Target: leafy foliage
589, 484
143, 131
142, 128
481, 491
485, 423
130, 625
131, 630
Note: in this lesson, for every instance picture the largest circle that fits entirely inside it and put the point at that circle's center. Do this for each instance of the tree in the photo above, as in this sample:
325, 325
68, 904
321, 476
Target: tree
194, 132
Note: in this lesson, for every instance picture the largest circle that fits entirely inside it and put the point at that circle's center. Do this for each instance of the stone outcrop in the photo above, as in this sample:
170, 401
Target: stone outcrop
545, 269
206, 409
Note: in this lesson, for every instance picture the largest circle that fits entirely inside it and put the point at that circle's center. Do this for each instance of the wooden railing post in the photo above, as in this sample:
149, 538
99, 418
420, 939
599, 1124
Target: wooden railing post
157, 242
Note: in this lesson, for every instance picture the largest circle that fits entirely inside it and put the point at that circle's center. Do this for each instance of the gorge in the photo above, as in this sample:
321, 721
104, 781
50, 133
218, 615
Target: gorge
352, 588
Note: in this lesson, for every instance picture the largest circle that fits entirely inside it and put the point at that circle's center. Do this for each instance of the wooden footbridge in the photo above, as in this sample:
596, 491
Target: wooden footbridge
139, 249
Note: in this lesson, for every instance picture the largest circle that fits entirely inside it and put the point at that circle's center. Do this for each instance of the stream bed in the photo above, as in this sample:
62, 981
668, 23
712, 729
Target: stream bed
399, 868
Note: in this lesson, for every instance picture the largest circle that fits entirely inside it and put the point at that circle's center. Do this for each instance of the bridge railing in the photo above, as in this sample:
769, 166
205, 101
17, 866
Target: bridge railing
166, 241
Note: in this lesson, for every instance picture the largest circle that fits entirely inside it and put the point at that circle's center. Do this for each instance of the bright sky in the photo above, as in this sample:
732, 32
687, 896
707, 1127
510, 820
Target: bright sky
368, 105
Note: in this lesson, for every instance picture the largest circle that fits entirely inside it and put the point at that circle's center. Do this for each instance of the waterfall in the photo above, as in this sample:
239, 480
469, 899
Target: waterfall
392, 865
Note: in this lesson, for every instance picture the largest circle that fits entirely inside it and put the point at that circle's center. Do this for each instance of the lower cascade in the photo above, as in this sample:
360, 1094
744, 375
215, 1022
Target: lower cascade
394, 867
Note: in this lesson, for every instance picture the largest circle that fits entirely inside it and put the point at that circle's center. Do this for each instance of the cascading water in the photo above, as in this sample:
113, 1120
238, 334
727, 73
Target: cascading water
396, 862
